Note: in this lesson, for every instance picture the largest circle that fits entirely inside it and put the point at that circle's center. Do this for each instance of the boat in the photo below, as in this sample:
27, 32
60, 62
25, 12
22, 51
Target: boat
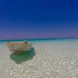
18, 47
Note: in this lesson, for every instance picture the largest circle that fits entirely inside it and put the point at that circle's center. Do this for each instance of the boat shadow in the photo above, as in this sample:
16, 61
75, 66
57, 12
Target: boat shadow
24, 56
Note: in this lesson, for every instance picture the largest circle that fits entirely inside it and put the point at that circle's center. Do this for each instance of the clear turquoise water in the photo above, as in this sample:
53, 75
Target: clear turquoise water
41, 40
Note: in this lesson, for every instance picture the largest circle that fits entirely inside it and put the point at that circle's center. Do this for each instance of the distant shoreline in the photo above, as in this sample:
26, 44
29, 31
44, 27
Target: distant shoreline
38, 39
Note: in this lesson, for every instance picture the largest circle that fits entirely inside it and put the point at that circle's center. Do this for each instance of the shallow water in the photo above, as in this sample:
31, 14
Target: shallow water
49, 59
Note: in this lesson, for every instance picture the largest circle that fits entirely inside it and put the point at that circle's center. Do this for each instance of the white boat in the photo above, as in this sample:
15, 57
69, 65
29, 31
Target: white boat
18, 47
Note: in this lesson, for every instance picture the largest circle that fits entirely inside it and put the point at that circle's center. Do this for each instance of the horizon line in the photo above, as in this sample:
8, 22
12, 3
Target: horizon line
41, 38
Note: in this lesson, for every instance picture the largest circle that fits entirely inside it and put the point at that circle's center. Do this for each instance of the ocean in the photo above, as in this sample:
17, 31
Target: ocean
41, 40
49, 58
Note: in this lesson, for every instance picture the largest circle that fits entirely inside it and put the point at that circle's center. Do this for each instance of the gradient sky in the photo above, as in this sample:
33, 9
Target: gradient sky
38, 18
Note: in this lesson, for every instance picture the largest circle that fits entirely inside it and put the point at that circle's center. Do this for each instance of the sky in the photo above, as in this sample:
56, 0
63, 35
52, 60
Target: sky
38, 19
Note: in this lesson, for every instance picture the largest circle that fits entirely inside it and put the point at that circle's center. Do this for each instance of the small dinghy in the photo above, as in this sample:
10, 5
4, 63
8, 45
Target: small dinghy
18, 47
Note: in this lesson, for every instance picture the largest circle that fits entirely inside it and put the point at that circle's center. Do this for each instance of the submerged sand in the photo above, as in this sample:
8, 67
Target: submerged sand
57, 59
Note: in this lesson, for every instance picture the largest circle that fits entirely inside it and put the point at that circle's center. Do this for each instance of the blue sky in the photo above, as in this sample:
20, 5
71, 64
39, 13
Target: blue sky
38, 18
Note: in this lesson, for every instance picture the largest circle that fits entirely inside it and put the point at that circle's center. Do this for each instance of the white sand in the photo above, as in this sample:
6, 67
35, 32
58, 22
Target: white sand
52, 60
